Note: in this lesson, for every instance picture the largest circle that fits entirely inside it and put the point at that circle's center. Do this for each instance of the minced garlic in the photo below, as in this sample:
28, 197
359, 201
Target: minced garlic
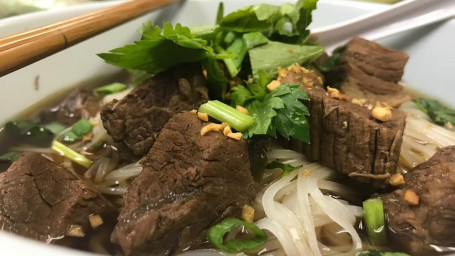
335, 93
95, 220
76, 231
227, 130
203, 116
382, 113
273, 85
248, 213
210, 128
411, 197
235, 135
359, 102
396, 180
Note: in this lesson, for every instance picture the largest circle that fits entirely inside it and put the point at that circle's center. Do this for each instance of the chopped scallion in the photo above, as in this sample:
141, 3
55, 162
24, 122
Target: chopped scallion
374, 221
110, 88
225, 113
79, 129
70, 154
55, 127
216, 234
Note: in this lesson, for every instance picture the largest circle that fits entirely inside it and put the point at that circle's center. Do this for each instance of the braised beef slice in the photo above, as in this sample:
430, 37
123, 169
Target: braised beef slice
78, 104
41, 200
367, 70
189, 183
415, 228
346, 137
137, 119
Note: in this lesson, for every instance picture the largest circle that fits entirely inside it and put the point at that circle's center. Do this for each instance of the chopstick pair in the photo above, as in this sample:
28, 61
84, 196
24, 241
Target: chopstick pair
21, 49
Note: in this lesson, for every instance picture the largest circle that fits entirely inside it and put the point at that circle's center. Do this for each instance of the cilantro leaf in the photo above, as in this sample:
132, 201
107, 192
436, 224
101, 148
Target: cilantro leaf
330, 63
439, 113
278, 112
159, 49
291, 121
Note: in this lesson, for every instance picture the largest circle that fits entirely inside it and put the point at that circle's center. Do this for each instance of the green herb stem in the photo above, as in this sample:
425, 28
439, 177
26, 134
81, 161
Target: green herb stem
65, 151
225, 113
374, 221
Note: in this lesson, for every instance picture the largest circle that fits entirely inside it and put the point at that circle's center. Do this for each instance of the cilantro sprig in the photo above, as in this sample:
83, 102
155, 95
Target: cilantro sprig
248, 43
280, 111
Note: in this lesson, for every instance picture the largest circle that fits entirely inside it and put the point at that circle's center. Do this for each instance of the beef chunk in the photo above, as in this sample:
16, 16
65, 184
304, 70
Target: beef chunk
137, 119
41, 200
415, 228
78, 104
189, 182
346, 137
367, 70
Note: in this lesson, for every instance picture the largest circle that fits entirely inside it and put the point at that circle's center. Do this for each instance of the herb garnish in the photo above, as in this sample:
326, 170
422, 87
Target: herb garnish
248, 43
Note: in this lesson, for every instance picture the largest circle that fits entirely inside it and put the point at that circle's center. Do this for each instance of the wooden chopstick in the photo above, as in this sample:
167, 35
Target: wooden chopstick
21, 49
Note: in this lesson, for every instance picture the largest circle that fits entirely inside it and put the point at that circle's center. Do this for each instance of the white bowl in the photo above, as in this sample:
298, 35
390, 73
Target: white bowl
429, 70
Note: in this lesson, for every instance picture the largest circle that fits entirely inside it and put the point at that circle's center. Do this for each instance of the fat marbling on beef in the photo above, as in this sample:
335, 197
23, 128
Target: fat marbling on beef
429, 226
41, 200
189, 182
137, 119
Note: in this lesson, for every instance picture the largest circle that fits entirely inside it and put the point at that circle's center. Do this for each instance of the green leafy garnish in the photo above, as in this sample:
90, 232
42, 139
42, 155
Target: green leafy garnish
275, 54
330, 63
248, 43
287, 168
97, 146
31, 132
439, 113
78, 130
10, 156
374, 221
160, 49
216, 234
376, 253
279, 111
287, 22
111, 88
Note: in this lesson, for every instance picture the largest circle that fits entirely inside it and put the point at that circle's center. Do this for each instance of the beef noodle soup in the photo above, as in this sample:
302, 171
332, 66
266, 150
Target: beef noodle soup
243, 138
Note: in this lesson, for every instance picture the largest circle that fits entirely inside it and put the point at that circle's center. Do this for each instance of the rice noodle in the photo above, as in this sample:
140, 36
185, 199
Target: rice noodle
47, 150
421, 138
297, 210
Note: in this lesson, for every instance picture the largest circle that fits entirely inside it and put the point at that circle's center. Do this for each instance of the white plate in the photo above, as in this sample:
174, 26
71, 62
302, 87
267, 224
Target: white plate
430, 68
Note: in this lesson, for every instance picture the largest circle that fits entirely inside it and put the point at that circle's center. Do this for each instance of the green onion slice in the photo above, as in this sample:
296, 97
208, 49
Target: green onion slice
65, 151
110, 88
79, 129
374, 221
216, 234
225, 113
